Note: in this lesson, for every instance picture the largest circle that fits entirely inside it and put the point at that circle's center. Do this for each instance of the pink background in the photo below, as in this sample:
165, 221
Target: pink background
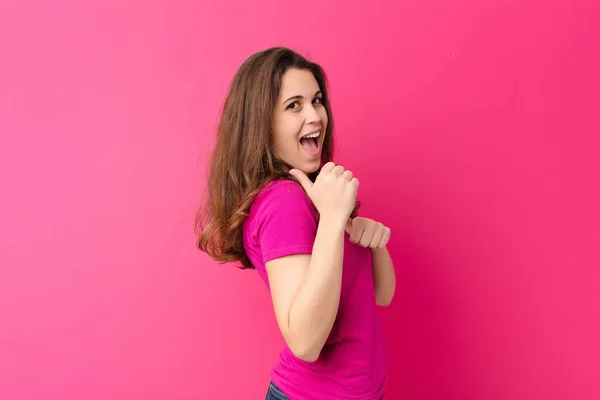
473, 126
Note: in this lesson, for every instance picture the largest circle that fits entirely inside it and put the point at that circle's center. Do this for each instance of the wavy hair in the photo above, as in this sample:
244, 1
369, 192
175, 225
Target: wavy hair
243, 162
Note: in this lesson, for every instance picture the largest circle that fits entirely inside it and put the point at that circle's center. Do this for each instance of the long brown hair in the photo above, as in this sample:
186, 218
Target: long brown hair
243, 161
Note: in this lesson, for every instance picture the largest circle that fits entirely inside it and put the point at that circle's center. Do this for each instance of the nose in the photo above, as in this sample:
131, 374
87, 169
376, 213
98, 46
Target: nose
312, 115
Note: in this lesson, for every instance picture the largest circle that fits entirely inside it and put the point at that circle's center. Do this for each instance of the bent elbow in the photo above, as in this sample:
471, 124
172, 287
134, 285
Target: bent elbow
384, 302
305, 353
310, 358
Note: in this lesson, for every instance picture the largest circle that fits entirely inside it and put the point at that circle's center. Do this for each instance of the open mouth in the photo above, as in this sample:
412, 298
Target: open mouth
311, 143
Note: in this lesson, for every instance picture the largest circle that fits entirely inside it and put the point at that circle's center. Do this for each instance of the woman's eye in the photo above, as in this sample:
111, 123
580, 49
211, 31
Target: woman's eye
318, 100
293, 105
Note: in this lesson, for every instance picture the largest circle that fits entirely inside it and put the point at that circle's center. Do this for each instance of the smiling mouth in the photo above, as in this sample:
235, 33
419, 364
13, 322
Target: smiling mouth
311, 143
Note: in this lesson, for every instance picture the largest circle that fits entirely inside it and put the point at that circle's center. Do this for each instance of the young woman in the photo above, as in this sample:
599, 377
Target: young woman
277, 203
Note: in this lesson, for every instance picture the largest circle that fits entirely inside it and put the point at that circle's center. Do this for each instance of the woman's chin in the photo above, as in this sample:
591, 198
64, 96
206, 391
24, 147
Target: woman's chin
307, 167
310, 168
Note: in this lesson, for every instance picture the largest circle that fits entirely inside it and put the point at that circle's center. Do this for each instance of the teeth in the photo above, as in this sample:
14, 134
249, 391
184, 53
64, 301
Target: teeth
312, 136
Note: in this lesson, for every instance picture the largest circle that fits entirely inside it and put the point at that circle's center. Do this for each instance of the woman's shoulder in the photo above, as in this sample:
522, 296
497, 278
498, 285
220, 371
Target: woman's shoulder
280, 195
283, 201
282, 189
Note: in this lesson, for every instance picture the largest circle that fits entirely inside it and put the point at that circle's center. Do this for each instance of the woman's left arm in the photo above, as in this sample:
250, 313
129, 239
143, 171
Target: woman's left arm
384, 275
372, 234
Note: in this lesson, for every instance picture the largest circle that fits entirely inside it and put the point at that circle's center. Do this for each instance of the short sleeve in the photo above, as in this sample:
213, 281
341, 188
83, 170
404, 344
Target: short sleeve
286, 221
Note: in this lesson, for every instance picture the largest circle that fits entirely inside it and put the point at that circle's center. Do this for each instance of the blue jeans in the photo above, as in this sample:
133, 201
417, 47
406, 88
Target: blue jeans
274, 393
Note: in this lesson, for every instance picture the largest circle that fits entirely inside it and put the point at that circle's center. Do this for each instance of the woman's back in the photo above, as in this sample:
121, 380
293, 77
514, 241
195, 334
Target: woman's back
283, 221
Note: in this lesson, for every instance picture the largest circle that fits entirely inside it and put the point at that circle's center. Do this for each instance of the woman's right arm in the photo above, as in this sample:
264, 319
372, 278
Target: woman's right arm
306, 290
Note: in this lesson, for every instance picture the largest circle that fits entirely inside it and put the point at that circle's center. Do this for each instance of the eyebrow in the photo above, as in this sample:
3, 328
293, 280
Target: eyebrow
300, 97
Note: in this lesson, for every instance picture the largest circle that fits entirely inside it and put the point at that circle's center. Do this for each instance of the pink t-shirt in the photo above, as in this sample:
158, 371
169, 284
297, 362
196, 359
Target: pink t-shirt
283, 221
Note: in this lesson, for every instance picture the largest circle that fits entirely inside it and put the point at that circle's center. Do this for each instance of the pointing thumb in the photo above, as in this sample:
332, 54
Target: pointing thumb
302, 178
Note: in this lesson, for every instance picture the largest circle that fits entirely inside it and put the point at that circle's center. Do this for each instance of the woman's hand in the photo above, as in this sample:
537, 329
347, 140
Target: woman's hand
333, 193
368, 233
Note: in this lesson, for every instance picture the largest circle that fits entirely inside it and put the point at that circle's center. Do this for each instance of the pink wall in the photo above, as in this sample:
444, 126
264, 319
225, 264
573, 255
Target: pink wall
472, 125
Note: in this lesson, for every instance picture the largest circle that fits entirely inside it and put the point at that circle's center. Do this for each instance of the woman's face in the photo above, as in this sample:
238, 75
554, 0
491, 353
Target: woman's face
299, 121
